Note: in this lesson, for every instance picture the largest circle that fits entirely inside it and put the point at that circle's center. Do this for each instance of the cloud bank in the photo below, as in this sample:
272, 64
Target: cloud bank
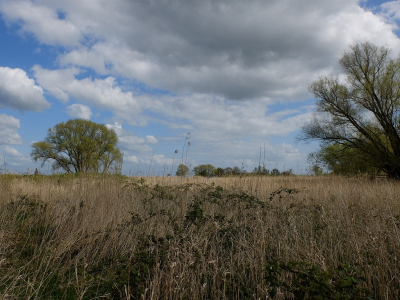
236, 49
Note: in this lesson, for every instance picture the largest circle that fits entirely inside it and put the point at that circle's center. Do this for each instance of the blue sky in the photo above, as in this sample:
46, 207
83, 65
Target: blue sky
235, 74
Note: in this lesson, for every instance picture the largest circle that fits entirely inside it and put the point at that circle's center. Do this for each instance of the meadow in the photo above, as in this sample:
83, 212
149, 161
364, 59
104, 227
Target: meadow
253, 237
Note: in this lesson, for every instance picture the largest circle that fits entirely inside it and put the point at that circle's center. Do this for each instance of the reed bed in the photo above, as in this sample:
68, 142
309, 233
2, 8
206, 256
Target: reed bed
115, 237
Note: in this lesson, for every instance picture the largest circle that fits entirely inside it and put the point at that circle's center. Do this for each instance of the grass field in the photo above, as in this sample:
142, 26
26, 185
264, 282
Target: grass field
112, 237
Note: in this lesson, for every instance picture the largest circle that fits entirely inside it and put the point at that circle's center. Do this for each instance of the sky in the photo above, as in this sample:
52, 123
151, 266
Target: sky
231, 77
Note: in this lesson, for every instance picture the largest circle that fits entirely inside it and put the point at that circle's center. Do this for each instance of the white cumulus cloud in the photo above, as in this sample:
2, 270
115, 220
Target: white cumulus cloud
8, 130
79, 111
10, 151
42, 21
151, 139
102, 93
18, 91
391, 11
116, 126
131, 159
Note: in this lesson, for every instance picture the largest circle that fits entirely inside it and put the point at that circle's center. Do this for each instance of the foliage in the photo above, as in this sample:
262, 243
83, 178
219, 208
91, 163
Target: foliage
310, 282
261, 171
117, 276
204, 170
288, 172
228, 171
79, 146
363, 113
316, 170
210, 170
340, 160
281, 193
275, 172
182, 170
219, 172
235, 171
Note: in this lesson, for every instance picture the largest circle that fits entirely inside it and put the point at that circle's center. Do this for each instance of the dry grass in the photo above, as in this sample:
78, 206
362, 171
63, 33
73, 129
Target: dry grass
68, 237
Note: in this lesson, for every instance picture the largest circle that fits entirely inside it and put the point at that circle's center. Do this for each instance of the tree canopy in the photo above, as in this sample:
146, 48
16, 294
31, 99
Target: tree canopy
361, 114
182, 170
79, 146
340, 160
204, 170
209, 170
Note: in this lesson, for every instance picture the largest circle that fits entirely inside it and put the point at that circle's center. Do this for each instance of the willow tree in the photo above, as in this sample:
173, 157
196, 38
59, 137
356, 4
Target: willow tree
362, 112
79, 146
340, 160
182, 170
204, 170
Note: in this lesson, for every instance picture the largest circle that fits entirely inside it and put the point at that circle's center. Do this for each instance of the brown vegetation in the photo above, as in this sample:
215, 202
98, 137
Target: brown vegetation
84, 237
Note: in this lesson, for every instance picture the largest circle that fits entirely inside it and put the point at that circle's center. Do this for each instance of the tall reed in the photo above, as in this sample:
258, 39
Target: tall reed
85, 237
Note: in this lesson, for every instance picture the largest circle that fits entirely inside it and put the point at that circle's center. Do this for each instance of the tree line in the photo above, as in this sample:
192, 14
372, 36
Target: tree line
208, 170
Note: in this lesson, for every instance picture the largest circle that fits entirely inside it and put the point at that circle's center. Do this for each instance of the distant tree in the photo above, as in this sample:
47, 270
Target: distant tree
265, 171
287, 172
341, 160
261, 171
361, 115
219, 172
275, 172
204, 170
257, 170
228, 171
182, 170
316, 170
236, 171
79, 146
